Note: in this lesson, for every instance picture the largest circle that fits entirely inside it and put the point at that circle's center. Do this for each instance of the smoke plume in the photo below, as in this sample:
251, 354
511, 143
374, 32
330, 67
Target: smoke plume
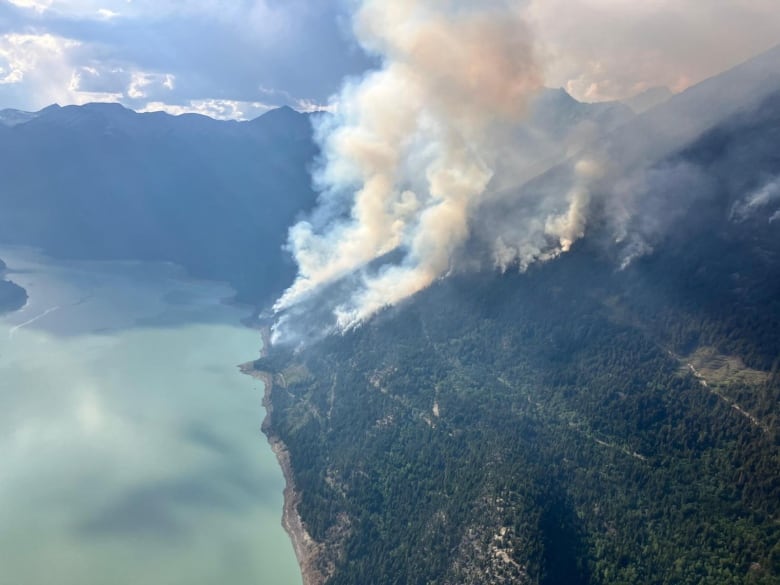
430, 164
413, 147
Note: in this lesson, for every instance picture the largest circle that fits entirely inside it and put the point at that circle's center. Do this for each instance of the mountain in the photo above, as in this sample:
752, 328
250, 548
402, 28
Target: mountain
559, 114
556, 125
648, 99
684, 118
609, 416
103, 182
11, 117
592, 420
12, 296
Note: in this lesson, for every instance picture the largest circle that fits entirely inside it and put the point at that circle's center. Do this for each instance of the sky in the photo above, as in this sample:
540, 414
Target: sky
238, 58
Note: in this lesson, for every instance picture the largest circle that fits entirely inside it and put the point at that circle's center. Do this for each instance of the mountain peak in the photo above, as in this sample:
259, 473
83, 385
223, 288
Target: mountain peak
105, 107
280, 113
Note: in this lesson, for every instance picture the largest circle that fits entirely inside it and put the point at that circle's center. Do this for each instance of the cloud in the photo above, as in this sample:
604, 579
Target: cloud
132, 87
36, 60
217, 109
107, 14
36, 5
596, 49
141, 83
213, 51
56, 69
25, 54
37, 69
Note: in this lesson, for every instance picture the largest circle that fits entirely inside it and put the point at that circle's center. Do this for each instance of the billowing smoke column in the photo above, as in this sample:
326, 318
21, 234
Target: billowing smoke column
406, 180
409, 155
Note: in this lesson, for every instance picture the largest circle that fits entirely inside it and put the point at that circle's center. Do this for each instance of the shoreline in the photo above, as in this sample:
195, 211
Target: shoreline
304, 546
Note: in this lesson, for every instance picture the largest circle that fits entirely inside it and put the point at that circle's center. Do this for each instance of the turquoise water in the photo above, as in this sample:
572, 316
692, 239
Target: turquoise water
130, 444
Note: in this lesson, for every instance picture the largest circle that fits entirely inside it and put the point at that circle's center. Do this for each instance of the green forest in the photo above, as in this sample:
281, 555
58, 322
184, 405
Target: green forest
578, 423
544, 428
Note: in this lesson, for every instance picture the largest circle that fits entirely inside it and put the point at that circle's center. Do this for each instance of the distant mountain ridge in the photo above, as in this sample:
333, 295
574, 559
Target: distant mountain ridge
648, 99
103, 182
11, 117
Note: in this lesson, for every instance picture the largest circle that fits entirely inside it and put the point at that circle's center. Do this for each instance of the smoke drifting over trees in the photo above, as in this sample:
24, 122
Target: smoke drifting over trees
416, 160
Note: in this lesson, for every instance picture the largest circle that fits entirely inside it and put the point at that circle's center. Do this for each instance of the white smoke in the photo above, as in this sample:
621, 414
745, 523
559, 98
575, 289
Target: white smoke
537, 227
418, 156
413, 147
757, 201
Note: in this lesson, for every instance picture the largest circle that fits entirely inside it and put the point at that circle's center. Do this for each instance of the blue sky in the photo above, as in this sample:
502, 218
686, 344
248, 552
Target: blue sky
237, 58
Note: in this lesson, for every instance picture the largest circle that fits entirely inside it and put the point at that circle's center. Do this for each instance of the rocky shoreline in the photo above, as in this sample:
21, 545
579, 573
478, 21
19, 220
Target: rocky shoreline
305, 547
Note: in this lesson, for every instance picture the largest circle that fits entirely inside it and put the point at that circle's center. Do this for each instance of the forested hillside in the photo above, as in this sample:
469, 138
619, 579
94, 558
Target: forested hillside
577, 423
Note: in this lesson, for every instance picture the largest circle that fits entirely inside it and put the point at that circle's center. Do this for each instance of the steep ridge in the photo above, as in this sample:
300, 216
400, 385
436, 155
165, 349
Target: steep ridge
577, 423
649, 98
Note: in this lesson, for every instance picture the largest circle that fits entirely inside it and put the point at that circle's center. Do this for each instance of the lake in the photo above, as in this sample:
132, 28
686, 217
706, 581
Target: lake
130, 444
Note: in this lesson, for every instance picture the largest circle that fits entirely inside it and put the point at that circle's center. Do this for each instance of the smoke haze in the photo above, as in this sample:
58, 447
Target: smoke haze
417, 160
413, 147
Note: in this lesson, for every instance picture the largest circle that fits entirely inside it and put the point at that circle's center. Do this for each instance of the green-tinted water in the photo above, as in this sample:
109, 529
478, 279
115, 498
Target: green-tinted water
130, 445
